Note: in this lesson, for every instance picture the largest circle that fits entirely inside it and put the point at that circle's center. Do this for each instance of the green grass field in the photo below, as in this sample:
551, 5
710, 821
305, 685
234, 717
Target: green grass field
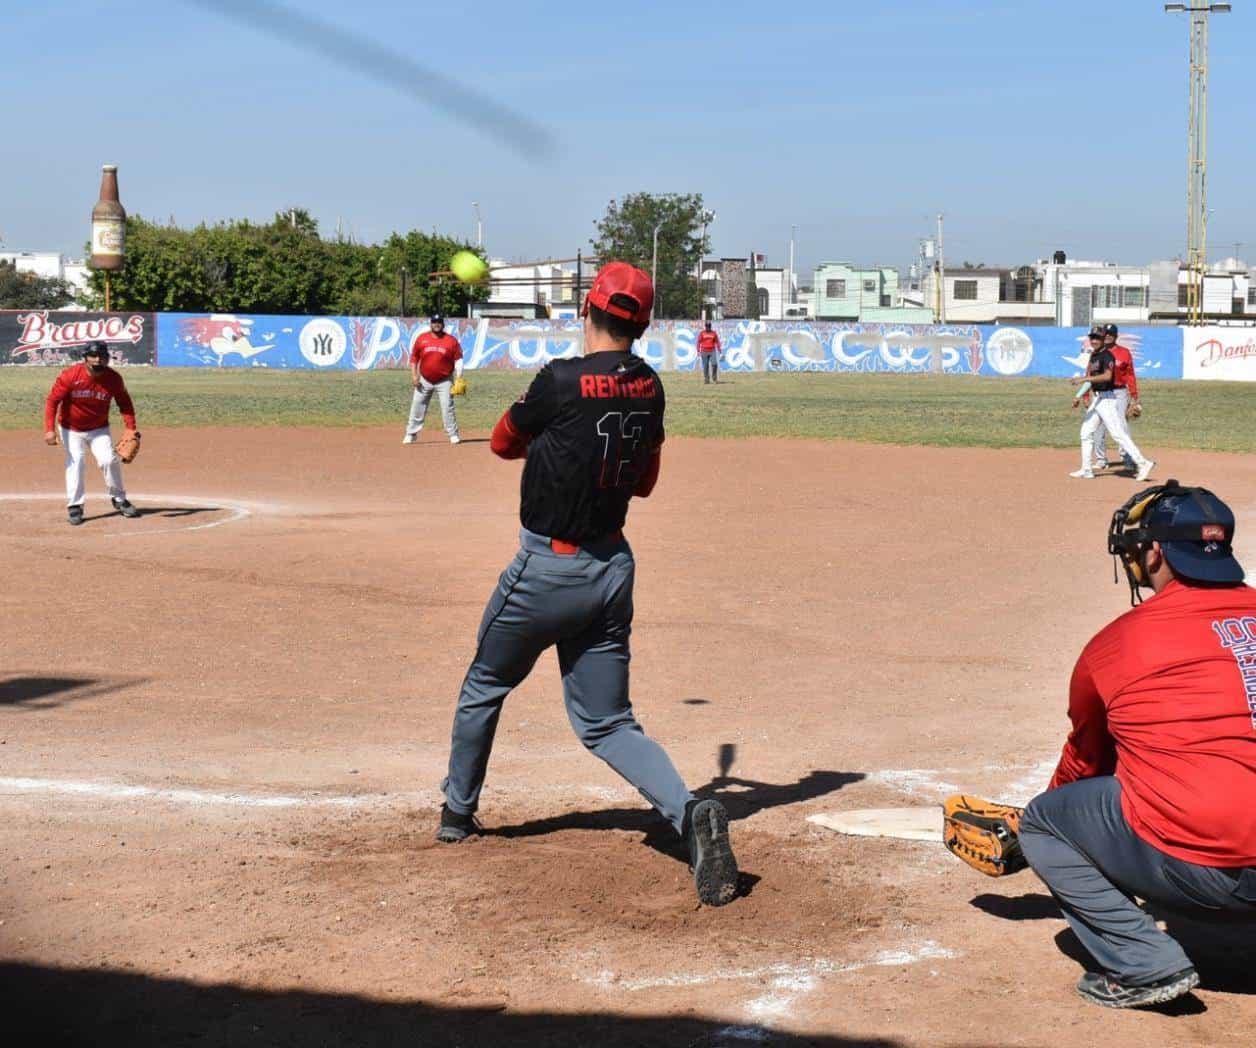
941, 410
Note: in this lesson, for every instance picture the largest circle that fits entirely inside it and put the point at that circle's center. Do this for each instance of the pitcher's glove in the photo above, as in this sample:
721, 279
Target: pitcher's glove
129, 446
459, 388
1134, 411
983, 834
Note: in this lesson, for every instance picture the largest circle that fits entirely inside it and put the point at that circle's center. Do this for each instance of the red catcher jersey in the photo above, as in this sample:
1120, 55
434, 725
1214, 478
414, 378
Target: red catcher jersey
1165, 698
1124, 375
708, 341
84, 399
435, 355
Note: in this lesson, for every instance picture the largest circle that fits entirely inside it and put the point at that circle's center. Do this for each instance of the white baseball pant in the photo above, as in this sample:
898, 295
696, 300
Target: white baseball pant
1101, 442
418, 407
1106, 411
76, 444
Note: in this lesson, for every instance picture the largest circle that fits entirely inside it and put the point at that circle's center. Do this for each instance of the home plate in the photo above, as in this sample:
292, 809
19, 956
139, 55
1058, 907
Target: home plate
908, 824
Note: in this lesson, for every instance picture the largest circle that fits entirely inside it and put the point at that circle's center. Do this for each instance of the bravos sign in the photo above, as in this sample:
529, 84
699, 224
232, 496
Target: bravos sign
1227, 353
58, 337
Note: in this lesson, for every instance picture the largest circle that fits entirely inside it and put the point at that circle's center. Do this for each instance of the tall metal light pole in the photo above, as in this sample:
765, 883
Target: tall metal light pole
1197, 156
654, 267
707, 218
479, 224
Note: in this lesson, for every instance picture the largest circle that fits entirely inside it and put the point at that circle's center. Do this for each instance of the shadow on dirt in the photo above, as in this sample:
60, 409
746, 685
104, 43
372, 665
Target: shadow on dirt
742, 798
45, 693
69, 1007
1222, 950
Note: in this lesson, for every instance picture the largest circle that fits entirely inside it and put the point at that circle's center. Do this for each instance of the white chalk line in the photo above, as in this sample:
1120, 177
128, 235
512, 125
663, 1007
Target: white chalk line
936, 783
239, 510
118, 791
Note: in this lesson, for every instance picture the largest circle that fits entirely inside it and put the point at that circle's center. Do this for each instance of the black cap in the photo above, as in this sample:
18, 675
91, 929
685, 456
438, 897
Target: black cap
1196, 531
96, 349
1111, 329
1096, 332
437, 318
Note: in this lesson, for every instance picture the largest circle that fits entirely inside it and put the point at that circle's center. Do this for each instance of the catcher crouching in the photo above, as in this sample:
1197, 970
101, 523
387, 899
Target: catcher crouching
1154, 792
76, 415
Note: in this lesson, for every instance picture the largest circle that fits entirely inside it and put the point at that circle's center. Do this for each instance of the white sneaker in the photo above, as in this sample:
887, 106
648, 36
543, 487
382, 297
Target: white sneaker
1101, 464
409, 438
1082, 474
455, 440
1144, 471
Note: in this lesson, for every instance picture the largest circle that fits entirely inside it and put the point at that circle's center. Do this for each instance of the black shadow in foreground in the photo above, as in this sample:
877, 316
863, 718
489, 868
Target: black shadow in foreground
60, 1008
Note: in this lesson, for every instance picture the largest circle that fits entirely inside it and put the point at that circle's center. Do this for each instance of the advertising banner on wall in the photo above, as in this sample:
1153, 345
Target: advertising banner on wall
1227, 354
364, 343
57, 337
1049, 352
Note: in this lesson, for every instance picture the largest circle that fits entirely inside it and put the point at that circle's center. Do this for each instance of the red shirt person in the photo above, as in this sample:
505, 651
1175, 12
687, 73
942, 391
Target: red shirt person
435, 358
76, 414
1154, 792
708, 349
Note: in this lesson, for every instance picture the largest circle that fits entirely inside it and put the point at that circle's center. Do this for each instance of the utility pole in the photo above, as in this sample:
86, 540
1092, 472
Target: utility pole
792, 291
1197, 156
479, 224
939, 285
654, 268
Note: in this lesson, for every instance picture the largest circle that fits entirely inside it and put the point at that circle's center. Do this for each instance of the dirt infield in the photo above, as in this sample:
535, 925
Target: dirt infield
221, 831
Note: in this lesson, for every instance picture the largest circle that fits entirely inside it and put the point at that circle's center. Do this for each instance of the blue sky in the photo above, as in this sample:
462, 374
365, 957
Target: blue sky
1032, 125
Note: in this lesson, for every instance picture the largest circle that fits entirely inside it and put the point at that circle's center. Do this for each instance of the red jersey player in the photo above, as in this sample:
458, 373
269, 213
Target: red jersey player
1154, 792
709, 351
435, 362
78, 405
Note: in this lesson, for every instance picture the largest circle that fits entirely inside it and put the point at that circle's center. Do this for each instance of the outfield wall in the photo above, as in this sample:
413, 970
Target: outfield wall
368, 343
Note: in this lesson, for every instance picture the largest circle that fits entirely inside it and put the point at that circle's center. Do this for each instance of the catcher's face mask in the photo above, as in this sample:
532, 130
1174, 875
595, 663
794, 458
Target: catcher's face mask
1193, 527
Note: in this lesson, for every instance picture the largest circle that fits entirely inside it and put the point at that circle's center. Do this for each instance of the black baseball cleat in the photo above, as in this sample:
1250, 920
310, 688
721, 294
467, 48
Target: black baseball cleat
454, 826
124, 507
1108, 992
710, 854
76, 515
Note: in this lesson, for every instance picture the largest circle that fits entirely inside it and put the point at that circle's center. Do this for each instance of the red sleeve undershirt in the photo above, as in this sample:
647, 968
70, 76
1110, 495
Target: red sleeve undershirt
1090, 749
506, 441
125, 405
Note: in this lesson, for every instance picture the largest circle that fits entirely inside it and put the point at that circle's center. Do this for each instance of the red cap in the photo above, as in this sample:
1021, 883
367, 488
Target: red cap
619, 278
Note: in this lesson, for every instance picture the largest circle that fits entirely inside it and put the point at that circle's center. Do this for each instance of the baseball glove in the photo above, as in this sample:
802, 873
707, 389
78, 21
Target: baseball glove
1134, 411
983, 834
129, 446
459, 388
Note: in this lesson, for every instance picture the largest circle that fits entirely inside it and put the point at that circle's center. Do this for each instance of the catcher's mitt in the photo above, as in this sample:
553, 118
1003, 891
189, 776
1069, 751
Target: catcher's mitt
129, 446
983, 834
459, 388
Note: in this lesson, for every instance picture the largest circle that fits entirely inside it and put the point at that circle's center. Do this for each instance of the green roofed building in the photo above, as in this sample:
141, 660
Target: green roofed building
873, 296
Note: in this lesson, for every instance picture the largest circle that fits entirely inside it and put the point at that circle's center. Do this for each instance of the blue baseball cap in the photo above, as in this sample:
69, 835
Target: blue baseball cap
1196, 531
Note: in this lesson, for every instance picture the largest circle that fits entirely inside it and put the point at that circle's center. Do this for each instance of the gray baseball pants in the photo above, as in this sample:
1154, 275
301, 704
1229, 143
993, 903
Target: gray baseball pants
582, 603
1077, 840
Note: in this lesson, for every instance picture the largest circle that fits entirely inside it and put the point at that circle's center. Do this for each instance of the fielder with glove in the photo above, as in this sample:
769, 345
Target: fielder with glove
76, 415
1154, 792
435, 357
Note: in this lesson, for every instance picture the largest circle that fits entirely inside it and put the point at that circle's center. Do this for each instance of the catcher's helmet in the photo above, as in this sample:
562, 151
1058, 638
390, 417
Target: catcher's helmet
96, 349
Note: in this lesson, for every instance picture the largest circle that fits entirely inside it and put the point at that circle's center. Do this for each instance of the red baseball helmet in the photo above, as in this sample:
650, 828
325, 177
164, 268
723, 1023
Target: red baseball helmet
619, 278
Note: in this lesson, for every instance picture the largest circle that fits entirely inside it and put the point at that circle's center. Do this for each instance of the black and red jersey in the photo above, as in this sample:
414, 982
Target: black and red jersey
1100, 362
593, 427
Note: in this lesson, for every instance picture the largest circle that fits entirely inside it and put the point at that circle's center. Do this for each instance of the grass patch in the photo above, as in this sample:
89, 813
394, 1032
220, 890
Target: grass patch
940, 410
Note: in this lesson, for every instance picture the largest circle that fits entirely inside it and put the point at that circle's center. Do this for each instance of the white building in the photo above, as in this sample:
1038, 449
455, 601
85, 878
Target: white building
51, 265
778, 294
532, 289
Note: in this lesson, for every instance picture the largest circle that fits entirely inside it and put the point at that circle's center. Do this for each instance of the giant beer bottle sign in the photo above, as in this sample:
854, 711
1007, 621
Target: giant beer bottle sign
108, 223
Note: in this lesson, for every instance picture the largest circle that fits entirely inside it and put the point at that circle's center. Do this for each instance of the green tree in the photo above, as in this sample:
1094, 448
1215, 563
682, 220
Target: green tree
626, 232
21, 290
283, 266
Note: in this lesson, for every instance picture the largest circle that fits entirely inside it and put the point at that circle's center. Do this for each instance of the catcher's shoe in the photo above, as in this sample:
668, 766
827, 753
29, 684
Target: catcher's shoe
76, 515
710, 854
124, 507
454, 826
1108, 992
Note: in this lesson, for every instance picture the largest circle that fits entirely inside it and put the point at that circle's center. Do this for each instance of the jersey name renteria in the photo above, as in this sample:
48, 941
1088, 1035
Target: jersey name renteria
607, 387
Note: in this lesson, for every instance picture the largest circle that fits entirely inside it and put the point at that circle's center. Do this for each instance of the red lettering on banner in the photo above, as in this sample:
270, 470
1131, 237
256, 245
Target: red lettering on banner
1214, 351
38, 332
